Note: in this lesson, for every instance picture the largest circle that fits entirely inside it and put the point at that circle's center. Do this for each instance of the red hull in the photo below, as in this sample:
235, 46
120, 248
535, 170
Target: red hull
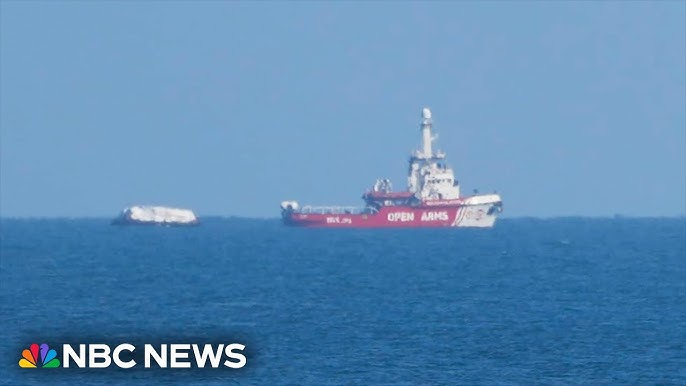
392, 217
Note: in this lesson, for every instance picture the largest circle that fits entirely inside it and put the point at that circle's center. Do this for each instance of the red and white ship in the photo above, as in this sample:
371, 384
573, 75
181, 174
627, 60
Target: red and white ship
432, 199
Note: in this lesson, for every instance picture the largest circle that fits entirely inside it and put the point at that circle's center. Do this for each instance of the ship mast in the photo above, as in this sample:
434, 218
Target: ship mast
426, 133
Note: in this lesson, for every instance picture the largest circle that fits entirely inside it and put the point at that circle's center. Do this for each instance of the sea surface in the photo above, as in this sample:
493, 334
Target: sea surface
531, 301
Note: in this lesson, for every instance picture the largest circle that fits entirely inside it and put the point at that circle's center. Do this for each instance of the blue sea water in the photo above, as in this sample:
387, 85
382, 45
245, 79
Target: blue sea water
558, 301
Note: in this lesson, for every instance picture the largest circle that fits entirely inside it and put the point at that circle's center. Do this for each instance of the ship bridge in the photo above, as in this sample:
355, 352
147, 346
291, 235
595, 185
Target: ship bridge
429, 178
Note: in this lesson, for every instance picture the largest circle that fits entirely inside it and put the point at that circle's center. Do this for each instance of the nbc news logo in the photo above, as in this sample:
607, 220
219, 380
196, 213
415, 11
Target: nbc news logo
31, 359
100, 356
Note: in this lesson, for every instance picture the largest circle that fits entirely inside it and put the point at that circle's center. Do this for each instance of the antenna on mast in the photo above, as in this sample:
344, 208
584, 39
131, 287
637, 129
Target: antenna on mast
426, 132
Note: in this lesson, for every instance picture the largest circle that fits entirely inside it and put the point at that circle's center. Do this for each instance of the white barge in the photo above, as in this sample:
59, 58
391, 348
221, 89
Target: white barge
156, 215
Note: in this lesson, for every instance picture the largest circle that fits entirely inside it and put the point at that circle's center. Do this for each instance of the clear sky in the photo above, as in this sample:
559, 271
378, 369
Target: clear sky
228, 108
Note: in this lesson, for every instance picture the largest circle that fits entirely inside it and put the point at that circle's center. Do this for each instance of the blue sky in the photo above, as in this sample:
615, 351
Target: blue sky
565, 108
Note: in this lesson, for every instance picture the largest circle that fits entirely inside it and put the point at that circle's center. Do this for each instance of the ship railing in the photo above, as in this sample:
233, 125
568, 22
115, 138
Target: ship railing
336, 210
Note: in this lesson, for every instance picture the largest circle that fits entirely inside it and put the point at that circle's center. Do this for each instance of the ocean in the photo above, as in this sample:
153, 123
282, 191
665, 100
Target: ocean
531, 301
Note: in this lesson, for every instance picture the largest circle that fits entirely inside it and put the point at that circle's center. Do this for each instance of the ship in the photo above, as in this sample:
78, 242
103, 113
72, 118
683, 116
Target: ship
432, 198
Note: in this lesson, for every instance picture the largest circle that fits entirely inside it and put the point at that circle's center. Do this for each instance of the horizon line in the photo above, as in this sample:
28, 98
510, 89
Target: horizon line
221, 216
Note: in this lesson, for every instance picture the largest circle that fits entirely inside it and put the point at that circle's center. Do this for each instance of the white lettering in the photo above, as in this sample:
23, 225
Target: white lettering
232, 355
118, 361
339, 220
68, 352
207, 351
160, 358
435, 216
99, 351
100, 355
175, 356
400, 216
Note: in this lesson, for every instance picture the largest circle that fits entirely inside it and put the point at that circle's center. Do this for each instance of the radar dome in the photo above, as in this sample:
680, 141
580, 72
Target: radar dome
426, 113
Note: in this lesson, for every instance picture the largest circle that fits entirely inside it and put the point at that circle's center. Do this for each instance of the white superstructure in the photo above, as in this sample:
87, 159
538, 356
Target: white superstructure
429, 176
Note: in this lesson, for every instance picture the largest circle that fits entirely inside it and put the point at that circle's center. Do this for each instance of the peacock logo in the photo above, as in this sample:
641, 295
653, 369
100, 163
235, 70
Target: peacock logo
30, 358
